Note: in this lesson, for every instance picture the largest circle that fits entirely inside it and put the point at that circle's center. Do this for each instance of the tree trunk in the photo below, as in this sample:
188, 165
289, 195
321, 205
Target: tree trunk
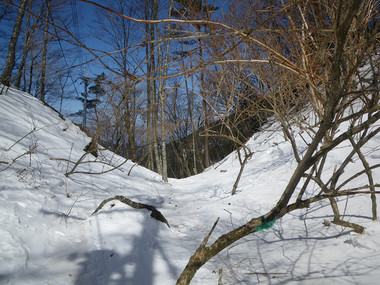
242, 165
84, 122
7, 73
28, 35
370, 179
154, 34
162, 87
44, 53
128, 118
205, 110
193, 132
149, 88
30, 83
128, 90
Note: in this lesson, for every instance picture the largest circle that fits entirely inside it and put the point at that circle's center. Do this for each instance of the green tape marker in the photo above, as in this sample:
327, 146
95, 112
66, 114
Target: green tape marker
265, 224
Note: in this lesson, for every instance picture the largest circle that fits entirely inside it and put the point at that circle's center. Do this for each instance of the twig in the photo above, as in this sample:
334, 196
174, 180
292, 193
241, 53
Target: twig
80, 161
205, 240
129, 172
34, 129
220, 276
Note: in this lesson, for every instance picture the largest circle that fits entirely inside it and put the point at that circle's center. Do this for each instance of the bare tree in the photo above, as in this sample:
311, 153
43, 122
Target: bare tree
338, 102
119, 34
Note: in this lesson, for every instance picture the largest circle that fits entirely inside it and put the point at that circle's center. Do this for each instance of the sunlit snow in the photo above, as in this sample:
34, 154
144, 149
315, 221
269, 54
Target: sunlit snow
48, 236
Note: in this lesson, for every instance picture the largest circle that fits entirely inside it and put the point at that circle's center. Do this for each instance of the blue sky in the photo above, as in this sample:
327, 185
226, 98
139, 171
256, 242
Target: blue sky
86, 30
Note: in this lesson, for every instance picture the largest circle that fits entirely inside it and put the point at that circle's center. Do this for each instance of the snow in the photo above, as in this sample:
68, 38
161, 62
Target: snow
48, 235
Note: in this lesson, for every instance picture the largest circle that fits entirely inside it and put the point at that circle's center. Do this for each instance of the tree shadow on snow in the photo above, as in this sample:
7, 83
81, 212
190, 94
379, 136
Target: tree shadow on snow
61, 215
5, 278
298, 263
105, 266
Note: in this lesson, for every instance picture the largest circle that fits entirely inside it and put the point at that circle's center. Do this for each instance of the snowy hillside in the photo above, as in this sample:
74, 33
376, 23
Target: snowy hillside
48, 235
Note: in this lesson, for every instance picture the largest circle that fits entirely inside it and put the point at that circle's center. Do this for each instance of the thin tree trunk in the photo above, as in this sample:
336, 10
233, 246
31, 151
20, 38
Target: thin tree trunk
30, 82
28, 35
149, 125
242, 165
370, 179
161, 90
205, 110
44, 53
189, 104
31, 70
10, 63
128, 124
84, 123
154, 34
127, 91
155, 137
149, 55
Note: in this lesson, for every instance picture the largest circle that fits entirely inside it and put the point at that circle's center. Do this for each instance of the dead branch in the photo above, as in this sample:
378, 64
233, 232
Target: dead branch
155, 214
80, 161
33, 130
357, 228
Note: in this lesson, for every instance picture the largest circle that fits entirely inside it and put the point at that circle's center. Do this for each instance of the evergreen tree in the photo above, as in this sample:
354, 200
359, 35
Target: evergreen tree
98, 88
91, 96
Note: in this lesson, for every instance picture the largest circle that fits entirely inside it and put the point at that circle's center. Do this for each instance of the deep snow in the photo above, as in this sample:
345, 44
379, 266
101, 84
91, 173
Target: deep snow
48, 236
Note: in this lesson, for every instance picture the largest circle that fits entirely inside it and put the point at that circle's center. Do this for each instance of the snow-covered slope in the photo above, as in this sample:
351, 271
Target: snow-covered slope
48, 236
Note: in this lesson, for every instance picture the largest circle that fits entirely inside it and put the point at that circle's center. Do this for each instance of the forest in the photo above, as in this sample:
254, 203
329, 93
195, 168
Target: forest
176, 86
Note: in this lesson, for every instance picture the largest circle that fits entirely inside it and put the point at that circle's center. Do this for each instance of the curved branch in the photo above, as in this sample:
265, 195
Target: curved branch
155, 214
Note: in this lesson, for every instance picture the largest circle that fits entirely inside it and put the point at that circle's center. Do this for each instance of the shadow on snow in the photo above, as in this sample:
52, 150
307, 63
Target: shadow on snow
105, 266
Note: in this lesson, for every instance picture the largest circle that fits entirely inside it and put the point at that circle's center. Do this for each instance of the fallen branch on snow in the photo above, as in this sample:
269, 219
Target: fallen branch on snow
155, 213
